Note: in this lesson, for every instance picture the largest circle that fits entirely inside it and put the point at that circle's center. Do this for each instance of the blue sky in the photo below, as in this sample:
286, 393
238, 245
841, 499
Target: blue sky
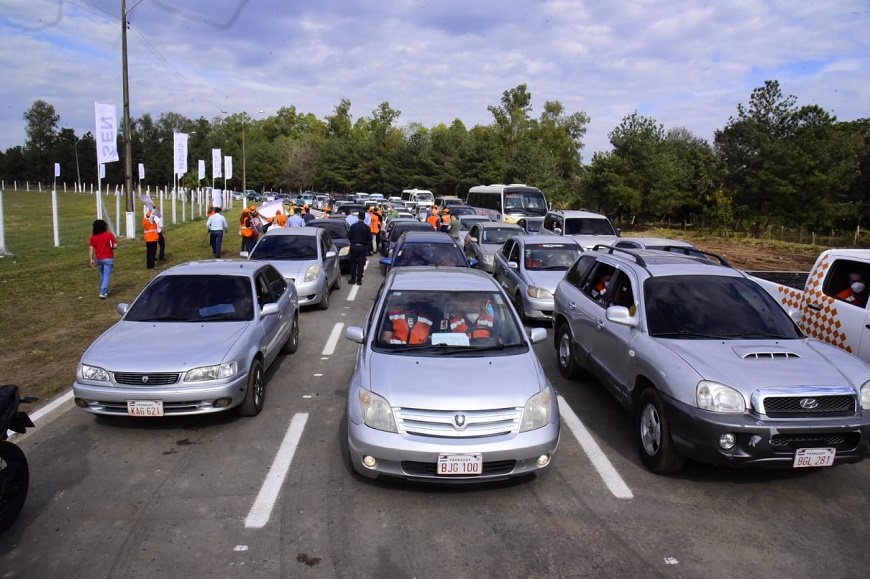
683, 63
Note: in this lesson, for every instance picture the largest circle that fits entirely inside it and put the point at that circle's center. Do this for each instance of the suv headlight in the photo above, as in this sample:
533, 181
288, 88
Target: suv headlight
717, 397
93, 373
312, 273
344, 251
539, 293
865, 396
216, 372
536, 413
376, 411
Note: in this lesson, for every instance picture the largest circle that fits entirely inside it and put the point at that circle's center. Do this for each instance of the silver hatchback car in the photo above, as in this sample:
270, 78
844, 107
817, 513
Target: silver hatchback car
198, 339
491, 416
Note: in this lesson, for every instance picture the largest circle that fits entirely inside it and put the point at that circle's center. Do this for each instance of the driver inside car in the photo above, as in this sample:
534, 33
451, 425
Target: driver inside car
473, 316
408, 322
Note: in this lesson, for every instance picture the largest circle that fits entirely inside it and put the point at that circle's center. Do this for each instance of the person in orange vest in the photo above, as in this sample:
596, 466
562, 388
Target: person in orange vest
856, 293
434, 218
280, 220
408, 323
248, 229
473, 317
152, 236
375, 226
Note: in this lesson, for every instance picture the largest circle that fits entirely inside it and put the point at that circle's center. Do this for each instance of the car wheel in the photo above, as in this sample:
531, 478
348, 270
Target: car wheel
292, 343
324, 301
337, 284
521, 311
14, 482
654, 435
256, 393
565, 353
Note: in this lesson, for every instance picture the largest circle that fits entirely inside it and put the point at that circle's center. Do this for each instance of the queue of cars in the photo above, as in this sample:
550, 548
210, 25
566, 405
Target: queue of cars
708, 365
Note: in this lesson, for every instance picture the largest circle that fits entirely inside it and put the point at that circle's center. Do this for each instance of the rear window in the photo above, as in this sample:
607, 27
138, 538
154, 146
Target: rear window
336, 228
493, 235
417, 254
588, 226
286, 247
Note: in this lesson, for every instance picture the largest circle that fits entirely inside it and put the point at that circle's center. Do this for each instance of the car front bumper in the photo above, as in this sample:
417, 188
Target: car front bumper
415, 457
310, 292
765, 442
538, 309
177, 400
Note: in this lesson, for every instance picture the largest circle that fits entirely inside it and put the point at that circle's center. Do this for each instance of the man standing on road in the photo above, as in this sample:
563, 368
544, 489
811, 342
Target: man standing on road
216, 225
296, 220
360, 237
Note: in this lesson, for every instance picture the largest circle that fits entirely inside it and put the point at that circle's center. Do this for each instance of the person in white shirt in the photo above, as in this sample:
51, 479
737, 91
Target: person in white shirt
161, 240
216, 225
296, 220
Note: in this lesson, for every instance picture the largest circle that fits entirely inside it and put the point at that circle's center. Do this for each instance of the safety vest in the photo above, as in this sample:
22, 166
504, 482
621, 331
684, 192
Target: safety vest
482, 328
150, 228
281, 220
404, 334
248, 228
433, 220
376, 224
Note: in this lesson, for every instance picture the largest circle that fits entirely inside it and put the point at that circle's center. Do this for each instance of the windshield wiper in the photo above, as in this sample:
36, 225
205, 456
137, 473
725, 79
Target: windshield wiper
688, 334
166, 319
757, 334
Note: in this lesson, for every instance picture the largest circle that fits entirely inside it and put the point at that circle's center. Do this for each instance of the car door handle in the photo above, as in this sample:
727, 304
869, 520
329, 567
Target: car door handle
599, 324
572, 306
814, 307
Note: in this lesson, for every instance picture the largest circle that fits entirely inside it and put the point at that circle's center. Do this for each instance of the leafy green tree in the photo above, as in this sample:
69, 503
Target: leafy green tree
42, 134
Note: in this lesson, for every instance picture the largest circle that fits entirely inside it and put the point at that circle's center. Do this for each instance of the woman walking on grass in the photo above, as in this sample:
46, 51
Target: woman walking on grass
102, 251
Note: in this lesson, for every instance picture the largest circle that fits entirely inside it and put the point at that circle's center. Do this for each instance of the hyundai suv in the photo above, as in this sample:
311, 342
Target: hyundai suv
588, 228
709, 365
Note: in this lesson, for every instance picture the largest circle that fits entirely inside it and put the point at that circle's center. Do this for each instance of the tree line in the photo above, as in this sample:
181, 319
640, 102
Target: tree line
773, 163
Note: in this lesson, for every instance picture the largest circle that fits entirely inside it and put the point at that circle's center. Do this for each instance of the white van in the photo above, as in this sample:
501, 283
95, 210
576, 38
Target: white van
422, 197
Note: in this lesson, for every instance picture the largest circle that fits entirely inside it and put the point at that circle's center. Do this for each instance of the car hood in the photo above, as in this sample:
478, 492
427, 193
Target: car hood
546, 279
451, 383
748, 365
293, 269
163, 346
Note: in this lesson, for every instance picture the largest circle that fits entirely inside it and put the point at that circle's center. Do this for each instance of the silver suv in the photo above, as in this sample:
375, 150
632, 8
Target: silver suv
589, 229
710, 367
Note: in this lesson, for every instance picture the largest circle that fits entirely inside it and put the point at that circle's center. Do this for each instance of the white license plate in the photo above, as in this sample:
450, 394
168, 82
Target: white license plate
810, 457
145, 407
460, 464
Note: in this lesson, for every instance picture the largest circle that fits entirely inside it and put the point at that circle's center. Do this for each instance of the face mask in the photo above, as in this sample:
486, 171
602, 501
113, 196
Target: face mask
858, 287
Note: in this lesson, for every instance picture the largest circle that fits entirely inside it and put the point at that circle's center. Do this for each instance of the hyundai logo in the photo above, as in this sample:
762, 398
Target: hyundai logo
144, 379
809, 403
459, 421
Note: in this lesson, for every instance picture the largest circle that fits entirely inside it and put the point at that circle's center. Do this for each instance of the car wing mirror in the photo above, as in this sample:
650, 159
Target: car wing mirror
537, 335
269, 309
243, 254
622, 316
513, 265
355, 334
472, 263
122, 308
330, 254
557, 230
385, 261
472, 239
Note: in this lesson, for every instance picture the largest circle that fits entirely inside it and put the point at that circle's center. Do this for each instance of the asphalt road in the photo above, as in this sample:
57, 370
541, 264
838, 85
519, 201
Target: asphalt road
273, 496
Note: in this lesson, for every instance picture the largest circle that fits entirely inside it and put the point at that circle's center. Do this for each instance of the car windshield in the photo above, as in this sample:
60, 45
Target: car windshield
493, 235
588, 226
528, 202
416, 254
434, 323
336, 229
194, 298
425, 197
720, 307
286, 247
550, 256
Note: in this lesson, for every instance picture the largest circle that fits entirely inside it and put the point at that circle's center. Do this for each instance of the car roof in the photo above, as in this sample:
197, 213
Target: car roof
578, 213
661, 263
657, 241
214, 267
301, 231
536, 239
426, 237
500, 225
440, 279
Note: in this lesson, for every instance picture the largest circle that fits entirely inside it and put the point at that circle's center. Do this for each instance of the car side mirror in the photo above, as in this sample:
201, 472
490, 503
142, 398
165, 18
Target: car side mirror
355, 334
472, 239
513, 265
620, 315
385, 261
122, 308
537, 335
472, 263
557, 230
243, 254
269, 309
330, 254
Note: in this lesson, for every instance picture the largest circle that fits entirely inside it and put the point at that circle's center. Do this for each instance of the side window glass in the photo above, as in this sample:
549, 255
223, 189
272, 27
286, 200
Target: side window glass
597, 284
622, 293
848, 281
264, 292
515, 253
276, 281
576, 274
507, 248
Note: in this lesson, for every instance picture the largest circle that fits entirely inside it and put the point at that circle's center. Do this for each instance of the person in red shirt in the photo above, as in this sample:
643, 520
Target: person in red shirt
102, 253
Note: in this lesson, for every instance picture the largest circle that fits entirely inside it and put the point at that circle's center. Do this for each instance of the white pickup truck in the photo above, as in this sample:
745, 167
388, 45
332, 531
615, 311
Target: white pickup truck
832, 306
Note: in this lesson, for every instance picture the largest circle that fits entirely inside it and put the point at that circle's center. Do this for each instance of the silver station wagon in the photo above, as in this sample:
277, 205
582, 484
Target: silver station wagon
198, 339
447, 387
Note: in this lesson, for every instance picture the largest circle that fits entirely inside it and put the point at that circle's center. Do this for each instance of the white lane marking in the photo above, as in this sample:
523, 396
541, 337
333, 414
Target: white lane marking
318, 375
352, 293
599, 460
332, 341
240, 548
261, 510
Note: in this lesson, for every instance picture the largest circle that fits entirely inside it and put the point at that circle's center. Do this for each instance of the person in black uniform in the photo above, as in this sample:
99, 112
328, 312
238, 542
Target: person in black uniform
360, 237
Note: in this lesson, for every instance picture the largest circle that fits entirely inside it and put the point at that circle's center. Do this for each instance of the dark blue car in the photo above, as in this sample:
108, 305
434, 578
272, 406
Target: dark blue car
416, 248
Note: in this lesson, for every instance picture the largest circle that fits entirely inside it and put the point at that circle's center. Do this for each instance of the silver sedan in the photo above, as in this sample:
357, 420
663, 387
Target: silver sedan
198, 339
529, 267
447, 387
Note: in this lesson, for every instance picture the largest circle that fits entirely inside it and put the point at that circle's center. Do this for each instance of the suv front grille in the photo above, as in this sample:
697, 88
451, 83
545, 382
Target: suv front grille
458, 423
802, 406
791, 442
140, 379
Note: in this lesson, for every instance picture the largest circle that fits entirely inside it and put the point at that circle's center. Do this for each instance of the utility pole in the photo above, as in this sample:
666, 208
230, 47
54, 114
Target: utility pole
128, 149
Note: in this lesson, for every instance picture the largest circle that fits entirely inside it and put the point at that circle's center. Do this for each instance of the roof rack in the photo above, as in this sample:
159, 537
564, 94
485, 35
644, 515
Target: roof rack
693, 251
610, 249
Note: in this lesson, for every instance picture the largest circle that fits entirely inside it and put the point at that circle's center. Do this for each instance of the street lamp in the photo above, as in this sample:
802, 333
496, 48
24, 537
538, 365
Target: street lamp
245, 118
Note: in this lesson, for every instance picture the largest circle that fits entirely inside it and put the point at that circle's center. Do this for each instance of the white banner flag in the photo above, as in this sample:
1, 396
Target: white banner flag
141, 171
102, 171
180, 148
228, 167
217, 198
201, 168
107, 133
57, 169
216, 163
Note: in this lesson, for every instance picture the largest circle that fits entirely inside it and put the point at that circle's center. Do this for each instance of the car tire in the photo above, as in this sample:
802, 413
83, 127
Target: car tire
653, 430
15, 481
565, 353
521, 310
337, 284
292, 343
324, 301
256, 393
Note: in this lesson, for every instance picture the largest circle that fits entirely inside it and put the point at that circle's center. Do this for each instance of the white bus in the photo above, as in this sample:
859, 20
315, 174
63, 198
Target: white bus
507, 202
